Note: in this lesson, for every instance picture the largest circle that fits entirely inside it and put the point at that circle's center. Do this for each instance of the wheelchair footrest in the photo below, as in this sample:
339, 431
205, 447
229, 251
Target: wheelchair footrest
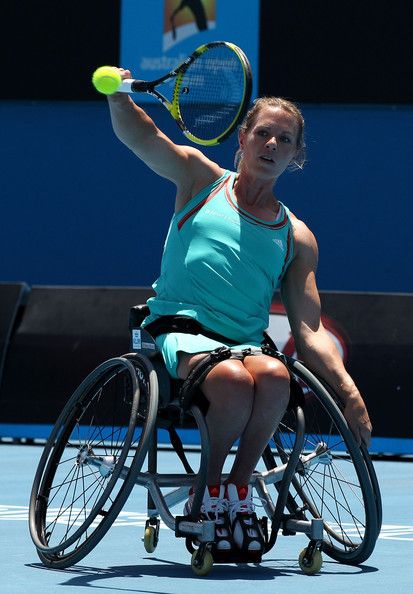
203, 531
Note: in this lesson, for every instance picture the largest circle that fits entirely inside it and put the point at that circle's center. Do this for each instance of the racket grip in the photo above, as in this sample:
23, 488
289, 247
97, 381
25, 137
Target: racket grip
131, 85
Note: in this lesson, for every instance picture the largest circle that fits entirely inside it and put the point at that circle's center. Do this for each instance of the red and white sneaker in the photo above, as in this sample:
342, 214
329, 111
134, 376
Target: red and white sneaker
214, 507
246, 530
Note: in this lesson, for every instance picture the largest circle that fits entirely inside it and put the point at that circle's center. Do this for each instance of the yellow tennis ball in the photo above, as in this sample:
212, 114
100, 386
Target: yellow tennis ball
106, 80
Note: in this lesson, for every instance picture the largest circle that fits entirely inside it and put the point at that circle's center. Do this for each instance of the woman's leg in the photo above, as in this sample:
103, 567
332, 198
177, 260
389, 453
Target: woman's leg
271, 396
247, 399
229, 389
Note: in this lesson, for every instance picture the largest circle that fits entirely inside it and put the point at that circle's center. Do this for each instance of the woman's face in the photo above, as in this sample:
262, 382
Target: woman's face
270, 144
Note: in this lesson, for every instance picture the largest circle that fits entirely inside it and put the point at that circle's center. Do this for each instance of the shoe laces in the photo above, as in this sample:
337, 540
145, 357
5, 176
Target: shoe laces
214, 507
245, 506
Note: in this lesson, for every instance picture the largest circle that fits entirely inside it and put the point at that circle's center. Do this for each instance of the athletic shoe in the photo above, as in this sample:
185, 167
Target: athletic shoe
246, 531
214, 507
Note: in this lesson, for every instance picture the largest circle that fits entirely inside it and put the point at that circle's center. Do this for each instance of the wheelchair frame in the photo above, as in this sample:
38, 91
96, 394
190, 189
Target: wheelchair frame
96, 451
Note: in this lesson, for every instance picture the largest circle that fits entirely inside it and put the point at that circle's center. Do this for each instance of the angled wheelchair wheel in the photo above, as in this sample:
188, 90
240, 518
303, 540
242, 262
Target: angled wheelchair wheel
335, 479
89, 464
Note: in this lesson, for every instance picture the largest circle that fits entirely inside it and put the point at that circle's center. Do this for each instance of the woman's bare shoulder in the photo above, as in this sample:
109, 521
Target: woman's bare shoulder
305, 243
201, 171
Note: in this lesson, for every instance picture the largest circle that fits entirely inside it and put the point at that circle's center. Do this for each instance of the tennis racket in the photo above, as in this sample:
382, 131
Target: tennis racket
209, 92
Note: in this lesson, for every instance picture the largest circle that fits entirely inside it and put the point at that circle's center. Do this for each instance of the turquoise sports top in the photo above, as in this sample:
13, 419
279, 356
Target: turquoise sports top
221, 265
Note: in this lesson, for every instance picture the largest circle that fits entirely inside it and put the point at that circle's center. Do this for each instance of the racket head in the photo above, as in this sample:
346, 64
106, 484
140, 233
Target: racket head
212, 92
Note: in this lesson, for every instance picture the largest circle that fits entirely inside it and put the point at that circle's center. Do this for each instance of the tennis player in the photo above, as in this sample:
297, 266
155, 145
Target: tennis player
231, 243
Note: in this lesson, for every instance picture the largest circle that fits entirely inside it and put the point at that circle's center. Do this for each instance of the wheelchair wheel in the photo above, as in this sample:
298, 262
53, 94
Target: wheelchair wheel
89, 464
335, 479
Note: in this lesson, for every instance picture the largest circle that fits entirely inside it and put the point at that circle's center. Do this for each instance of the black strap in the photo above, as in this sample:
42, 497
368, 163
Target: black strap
179, 449
189, 325
186, 325
197, 375
253, 523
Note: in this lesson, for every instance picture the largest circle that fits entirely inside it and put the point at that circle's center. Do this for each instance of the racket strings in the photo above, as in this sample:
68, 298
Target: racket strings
212, 92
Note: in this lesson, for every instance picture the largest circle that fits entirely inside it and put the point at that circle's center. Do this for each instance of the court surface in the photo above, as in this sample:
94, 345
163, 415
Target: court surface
121, 564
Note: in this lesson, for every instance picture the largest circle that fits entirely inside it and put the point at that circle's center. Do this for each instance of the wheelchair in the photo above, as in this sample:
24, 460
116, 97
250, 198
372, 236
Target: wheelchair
313, 478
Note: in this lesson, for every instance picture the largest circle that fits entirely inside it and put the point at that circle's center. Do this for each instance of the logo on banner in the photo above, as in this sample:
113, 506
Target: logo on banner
185, 18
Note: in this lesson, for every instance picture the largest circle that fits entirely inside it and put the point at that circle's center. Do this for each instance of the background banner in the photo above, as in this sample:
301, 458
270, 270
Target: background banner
61, 333
156, 35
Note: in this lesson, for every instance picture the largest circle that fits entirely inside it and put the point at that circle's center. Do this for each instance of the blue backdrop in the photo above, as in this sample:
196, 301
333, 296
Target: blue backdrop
78, 209
148, 48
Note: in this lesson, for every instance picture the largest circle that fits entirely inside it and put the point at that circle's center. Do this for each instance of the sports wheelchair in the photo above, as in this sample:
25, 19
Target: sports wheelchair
314, 479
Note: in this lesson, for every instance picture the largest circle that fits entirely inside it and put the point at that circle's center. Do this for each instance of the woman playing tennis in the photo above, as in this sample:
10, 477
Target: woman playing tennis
231, 243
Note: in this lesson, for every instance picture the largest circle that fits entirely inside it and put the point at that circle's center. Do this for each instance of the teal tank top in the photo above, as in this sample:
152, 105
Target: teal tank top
221, 265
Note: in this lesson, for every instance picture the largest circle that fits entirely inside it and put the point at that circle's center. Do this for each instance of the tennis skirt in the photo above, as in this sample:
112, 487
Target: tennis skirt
174, 343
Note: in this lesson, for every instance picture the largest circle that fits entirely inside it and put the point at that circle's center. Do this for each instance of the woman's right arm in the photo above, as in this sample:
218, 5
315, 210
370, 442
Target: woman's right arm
186, 166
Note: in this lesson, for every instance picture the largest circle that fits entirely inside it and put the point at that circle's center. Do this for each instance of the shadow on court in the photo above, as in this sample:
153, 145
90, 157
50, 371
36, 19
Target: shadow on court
82, 576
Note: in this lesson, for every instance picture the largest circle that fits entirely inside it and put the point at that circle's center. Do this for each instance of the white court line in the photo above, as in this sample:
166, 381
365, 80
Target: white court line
21, 513
129, 518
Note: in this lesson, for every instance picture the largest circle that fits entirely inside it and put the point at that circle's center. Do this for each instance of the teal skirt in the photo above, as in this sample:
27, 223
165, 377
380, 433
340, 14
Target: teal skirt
174, 343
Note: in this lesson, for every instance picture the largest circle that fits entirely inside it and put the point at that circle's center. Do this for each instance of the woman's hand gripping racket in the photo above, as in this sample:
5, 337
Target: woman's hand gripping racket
209, 92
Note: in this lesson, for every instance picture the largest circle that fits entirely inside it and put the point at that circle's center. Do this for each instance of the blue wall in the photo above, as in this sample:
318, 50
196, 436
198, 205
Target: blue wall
76, 208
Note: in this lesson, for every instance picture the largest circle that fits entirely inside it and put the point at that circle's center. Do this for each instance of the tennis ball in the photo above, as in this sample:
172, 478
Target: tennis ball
106, 80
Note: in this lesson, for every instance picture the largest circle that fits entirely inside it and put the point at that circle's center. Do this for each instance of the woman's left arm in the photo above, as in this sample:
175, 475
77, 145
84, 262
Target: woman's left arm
313, 344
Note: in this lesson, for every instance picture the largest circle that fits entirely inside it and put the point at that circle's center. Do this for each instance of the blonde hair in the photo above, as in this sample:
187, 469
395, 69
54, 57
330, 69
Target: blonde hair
289, 107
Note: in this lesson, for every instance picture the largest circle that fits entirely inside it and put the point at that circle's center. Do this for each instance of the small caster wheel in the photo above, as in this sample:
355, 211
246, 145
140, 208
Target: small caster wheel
204, 565
149, 539
314, 565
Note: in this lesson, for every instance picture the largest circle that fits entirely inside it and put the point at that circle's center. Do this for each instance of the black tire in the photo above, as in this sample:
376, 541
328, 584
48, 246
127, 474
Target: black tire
375, 486
340, 486
75, 499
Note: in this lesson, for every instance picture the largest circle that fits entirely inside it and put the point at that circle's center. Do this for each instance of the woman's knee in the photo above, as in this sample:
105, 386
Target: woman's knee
230, 386
270, 375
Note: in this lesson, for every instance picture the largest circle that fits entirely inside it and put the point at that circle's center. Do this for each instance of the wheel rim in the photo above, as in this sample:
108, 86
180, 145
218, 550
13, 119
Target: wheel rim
335, 485
81, 477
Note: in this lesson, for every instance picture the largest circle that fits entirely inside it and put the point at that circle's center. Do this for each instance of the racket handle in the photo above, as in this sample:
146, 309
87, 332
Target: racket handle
131, 85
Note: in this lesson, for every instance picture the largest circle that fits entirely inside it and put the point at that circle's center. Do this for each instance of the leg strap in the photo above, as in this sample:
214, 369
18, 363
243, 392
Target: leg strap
197, 375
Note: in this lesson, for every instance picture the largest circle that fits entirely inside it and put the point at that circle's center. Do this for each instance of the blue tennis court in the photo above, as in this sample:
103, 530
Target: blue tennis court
120, 563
